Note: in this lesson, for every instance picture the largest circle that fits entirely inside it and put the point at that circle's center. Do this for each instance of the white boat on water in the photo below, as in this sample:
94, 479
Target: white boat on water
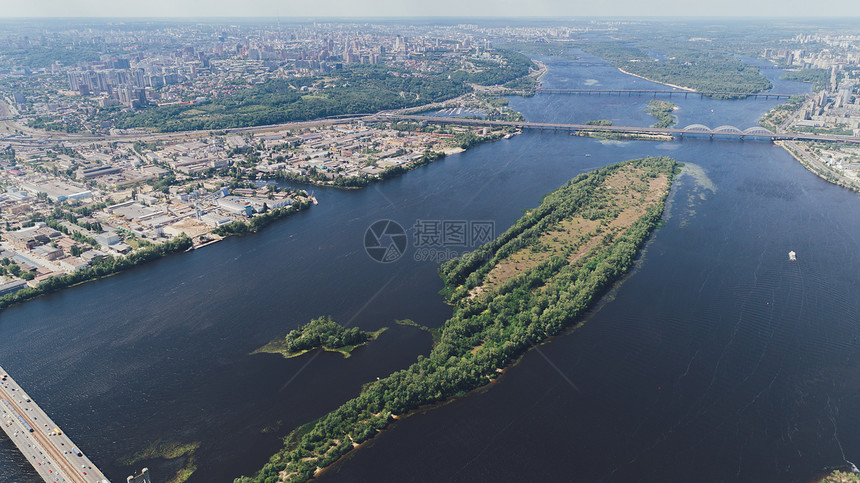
792, 256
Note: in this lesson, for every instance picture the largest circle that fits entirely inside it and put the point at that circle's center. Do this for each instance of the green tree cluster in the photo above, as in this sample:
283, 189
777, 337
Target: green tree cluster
662, 111
324, 332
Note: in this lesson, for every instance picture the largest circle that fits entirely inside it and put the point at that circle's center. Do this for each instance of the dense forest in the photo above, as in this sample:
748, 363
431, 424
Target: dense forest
695, 68
358, 89
487, 333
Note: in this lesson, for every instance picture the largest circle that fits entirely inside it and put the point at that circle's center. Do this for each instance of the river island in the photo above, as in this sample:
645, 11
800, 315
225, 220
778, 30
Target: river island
534, 281
320, 333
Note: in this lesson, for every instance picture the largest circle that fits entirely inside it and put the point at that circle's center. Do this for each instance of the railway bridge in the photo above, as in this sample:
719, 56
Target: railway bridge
693, 130
665, 92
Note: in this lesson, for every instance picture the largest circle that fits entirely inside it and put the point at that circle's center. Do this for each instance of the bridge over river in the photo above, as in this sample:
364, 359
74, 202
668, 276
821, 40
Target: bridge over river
53, 455
693, 130
665, 92
587, 63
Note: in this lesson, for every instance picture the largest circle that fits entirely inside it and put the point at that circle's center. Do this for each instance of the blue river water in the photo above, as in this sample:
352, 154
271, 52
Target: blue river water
716, 357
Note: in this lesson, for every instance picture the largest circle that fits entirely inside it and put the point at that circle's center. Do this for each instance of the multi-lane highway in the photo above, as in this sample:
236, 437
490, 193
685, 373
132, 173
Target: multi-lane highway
54, 456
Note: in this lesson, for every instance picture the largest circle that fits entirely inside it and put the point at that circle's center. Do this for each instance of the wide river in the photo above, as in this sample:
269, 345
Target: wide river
717, 359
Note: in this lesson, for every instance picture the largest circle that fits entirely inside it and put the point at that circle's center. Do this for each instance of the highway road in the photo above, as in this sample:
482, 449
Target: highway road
51, 452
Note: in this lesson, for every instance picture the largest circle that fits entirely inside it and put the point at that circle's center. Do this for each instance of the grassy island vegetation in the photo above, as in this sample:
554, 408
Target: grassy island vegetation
532, 282
320, 333
599, 122
698, 68
169, 451
662, 111
434, 332
841, 477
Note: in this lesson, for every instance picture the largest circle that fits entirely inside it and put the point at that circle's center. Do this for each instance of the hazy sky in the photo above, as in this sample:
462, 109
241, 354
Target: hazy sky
435, 8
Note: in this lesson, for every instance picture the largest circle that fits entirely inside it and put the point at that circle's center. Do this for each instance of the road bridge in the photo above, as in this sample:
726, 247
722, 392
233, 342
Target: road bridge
664, 92
588, 63
693, 130
54, 456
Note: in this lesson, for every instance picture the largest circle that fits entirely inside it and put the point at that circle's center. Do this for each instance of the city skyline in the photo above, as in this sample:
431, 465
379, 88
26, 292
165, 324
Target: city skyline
442, 8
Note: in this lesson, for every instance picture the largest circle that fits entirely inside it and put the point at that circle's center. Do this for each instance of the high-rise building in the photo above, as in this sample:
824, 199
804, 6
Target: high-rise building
74, 79
138, 78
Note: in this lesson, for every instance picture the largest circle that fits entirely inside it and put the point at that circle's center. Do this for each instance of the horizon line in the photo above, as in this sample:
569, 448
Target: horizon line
447, 17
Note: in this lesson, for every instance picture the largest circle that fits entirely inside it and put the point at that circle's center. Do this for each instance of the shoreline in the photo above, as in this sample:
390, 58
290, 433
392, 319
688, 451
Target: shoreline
173, 246
13, 299
390, 172
276, 346
688, 89
831, 177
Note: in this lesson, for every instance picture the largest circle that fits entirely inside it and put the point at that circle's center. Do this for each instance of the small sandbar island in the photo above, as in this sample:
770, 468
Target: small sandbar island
320, 333
537, 279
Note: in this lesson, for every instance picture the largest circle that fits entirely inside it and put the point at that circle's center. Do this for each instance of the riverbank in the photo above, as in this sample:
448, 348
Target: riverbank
587, 231
358, 182
99, 268
690, 89
110, 265
811, 162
